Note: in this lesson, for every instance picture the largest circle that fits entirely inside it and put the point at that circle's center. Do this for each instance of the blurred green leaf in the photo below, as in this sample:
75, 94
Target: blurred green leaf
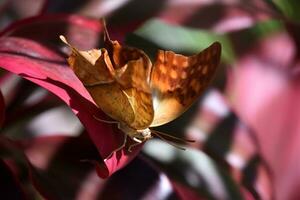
263, 29
246, 39
290, 8
157, 34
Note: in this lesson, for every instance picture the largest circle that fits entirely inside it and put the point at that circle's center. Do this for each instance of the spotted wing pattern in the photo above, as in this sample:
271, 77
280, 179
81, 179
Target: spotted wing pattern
177, 81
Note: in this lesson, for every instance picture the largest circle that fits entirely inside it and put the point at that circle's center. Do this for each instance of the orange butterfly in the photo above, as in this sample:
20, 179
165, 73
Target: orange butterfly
138, 95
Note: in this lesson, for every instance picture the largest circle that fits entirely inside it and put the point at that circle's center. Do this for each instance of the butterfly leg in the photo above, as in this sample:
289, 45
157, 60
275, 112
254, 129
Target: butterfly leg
135, 144
119, 148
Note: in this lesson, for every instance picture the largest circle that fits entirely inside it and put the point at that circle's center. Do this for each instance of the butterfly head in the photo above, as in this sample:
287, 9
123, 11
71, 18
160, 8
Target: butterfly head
137, 135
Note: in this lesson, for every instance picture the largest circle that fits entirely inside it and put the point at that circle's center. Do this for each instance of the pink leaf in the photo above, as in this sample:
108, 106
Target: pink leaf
265, 95
242, 154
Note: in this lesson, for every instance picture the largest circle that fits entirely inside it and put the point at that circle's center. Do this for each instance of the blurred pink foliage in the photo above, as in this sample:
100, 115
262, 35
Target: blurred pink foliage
249, 130
263, 90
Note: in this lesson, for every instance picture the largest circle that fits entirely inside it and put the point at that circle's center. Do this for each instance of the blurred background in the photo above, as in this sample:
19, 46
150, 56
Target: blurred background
246, 124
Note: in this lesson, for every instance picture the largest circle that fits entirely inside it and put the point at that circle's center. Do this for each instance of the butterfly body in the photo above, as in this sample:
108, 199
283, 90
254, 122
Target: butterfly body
138, 136
138, 94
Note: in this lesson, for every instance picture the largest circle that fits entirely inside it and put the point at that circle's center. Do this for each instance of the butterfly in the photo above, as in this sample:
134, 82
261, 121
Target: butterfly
138, 94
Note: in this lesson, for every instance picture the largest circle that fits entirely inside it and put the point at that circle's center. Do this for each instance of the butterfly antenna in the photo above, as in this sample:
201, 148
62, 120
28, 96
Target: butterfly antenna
74, 50
106, 121
64, 40
106, 35
170, 143
172, 137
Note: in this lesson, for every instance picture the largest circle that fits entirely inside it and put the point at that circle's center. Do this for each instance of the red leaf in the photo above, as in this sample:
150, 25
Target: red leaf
153, 184
24, 9
10, 186
54, 156
184, 192
47, 28
220, 16
48, 69
45, 67
18, 165
2, 109
41, 165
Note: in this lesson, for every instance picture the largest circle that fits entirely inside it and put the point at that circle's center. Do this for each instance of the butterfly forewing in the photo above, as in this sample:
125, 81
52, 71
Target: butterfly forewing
95, 71
89, 65
177, 81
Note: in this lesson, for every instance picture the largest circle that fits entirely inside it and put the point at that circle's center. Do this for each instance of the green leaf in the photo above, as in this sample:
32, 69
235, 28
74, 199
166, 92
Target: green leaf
245, 39
290, 8
265, 28
156, 34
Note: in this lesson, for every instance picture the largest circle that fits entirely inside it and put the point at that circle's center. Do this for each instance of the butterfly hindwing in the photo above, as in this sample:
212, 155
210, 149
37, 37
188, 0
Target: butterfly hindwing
135, 85
133, 69
177, 81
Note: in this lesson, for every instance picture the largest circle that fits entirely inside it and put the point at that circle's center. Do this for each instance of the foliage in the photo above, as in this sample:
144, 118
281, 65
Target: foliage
246, 125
